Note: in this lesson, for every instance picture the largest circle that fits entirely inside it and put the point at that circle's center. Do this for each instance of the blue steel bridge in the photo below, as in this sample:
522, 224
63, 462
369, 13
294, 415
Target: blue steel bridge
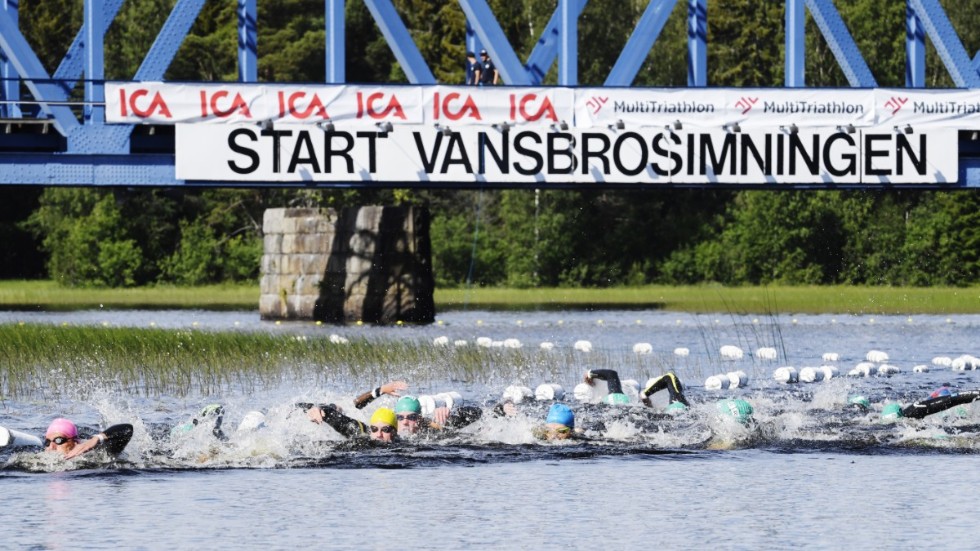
48, 138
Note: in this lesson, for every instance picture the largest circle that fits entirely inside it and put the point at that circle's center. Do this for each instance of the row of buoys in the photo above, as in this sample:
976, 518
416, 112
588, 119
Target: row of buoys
724, 381
789, 374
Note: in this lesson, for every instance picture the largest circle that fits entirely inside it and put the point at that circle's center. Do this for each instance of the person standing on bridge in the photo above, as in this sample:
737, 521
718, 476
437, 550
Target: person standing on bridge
472, 67
488, 71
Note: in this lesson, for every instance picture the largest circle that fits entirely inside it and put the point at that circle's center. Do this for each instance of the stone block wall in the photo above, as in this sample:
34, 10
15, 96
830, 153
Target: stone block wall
370, 264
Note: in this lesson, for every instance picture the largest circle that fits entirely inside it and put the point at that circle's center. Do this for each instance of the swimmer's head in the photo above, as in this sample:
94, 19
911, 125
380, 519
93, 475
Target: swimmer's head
560, 414
384, 425
859, 402
738, 409
892, 411
675, 407
408, 404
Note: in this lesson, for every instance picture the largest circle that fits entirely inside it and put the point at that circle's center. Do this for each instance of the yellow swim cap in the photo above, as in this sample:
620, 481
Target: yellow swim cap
384, 416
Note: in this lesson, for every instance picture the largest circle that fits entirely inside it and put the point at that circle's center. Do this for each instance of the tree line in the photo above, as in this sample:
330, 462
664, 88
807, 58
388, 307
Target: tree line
518, 238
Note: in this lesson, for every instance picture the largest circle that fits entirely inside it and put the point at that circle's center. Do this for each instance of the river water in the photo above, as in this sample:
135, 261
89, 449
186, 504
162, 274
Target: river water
807, 472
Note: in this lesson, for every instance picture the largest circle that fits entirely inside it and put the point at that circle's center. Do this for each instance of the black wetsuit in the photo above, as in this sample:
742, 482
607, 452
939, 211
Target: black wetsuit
117, 437
610, 376
668, 381
671, 383
921, 409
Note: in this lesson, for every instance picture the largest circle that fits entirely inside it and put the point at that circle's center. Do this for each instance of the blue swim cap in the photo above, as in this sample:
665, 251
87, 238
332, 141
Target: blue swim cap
617, 398
891, 411
737, 408
561, 414
408, 404
675, 407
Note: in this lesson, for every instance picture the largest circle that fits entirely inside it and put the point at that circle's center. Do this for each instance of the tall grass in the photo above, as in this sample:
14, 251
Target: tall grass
39, 361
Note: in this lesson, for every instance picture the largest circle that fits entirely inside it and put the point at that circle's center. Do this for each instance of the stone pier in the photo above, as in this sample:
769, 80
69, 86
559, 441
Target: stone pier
369, 264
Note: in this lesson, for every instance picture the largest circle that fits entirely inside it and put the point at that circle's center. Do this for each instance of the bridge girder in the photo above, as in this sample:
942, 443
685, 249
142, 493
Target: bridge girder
98, 149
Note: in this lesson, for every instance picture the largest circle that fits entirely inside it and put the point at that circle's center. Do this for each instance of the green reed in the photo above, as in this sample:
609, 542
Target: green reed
42, 361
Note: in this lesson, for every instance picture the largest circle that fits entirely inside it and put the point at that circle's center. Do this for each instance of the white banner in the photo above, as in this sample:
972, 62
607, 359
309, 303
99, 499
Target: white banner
471, 154
360, 106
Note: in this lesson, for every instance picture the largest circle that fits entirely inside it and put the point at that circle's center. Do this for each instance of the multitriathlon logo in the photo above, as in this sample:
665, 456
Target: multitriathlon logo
595, 103
895, 103
745, 103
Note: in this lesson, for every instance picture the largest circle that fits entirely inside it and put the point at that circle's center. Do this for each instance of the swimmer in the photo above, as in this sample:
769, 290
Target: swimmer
63, 437
383, 426
674, 388
408, 411
212, 413
611, 377
559, 425
941, 399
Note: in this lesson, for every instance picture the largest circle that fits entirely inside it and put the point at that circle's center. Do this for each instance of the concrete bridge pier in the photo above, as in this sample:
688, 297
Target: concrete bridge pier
370, 264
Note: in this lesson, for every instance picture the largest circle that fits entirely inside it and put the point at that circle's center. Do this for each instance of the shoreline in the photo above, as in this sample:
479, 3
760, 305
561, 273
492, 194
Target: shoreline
44, 295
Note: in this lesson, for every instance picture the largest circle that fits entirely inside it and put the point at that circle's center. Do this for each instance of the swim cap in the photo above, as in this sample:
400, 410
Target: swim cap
941, 391
891, 411
410, 404
675, 407
561, 414
737, 408
384, 416
617, 398
61, 426
859, 401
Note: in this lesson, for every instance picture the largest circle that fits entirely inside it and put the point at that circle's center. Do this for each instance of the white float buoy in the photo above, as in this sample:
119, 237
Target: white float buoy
549, 391
921, 368
460, 343
512, 343
337, 339
737, 379
517, 393
830, 357
731, 352
942, 361
547, 345
441, 341
766, 353
583, 346
642, 348
786, 375
829, 372
717, 382
583, 392
876, 356
811, 375
681, 351
485, 342
887, 370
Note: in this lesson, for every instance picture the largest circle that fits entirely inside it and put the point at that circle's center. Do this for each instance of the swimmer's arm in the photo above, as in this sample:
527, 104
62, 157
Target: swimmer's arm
331, 415
114, 439
392, 389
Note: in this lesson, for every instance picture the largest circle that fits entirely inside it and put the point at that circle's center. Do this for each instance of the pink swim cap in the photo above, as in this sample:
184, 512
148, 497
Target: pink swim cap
61, 426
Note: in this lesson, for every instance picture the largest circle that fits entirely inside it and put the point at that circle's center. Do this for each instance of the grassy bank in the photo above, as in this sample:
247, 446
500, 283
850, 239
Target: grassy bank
47, 295
748, 300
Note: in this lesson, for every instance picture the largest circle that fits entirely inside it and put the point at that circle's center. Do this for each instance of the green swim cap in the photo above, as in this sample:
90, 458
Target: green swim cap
675, 407
408, 404
859, 401
617, 398
891, 411
737, 408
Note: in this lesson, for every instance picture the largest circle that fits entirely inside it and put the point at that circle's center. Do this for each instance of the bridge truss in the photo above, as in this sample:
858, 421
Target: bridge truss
46, 138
